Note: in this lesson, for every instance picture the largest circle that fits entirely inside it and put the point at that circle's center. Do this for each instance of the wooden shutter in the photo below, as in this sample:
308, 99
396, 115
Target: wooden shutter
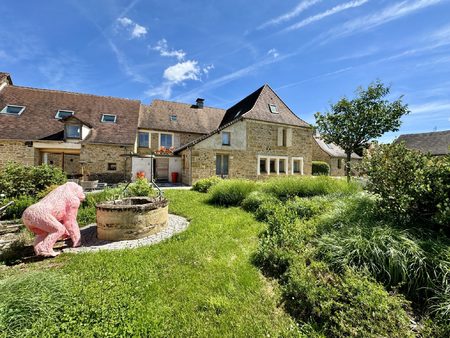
280, 137
289, 137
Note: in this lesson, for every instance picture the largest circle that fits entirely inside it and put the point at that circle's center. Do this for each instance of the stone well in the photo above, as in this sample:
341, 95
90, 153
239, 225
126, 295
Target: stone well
131, 218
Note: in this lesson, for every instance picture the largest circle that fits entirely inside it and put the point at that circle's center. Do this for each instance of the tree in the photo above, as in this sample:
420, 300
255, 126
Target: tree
352, 124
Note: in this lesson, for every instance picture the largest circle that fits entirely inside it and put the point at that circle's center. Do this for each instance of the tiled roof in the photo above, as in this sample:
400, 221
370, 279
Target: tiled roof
38, 121
256, 107
332, 149
435, 143
189, 118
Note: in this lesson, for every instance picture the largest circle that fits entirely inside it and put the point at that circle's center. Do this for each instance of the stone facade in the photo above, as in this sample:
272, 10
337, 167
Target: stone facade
178, 139
336, 168
16, 151
249, 140
99, 156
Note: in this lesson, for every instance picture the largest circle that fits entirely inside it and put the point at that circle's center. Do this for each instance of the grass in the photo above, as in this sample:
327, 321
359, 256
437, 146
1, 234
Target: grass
199, 283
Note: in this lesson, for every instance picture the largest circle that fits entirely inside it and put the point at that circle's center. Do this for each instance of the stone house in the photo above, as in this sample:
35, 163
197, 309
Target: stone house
81, 133
165, 126
257, 138
333, 155
435, 143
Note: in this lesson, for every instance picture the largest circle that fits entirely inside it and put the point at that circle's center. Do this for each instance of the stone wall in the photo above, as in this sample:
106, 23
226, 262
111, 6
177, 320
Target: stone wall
261, 139
320, 155
98, 156
179, 139
16, 151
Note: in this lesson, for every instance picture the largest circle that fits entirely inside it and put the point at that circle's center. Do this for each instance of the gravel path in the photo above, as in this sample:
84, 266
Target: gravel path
90, 242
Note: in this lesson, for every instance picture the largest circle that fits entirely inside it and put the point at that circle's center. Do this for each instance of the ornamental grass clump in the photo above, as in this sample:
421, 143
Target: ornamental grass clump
255, 199
205, 184
231, 192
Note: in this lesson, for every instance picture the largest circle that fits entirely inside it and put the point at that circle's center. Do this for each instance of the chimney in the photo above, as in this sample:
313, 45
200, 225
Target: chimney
200, 103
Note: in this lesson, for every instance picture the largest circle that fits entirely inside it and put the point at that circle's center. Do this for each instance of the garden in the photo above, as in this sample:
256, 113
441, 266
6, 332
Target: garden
288, 256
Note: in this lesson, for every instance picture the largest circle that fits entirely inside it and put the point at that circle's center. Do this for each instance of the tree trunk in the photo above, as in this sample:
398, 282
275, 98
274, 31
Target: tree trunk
347, 165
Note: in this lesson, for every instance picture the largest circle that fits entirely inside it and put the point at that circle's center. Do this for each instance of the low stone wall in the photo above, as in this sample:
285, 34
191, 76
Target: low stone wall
131, 218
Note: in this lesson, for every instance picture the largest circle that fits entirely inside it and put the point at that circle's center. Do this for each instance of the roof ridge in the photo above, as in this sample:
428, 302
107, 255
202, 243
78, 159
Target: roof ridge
428, 132
182, 103
74, 93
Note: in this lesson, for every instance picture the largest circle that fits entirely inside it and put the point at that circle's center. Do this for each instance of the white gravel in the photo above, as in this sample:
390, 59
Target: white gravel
90, 242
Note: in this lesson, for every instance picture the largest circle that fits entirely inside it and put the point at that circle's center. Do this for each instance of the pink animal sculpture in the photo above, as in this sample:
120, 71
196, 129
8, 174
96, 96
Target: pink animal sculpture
55, 217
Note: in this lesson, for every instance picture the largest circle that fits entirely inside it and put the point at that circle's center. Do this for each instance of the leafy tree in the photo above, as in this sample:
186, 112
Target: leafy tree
352, 124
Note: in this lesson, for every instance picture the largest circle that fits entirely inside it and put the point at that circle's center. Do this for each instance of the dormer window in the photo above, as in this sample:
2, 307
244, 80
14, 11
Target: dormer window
109, 118
62, 114
273, 108
12, 110
72, 131
173, 117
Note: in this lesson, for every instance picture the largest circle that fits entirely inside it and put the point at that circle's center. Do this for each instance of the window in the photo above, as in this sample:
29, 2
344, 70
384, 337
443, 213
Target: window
226, 136
166, 140
297, 165
62, 114
13, 110
273, 108
112, 166
284, 138
262, 166
272, 166
222, 165
282, 166
73, 131
144, 140
173, 117
339, 163
109, 118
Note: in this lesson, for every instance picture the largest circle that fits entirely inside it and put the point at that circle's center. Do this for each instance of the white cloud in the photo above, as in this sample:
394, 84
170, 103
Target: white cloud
182, 71
302, 6
273, 52
135, 30
163, 48
386, 15
430, 107
329, 12
207, 68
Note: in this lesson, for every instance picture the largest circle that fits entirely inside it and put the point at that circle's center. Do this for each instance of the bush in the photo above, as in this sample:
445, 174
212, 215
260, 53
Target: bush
347, 305
17, 180
231, 192
140, 187
205, 184
16, 210
287, 187
255, 199
320, 168
411, 186
307, 207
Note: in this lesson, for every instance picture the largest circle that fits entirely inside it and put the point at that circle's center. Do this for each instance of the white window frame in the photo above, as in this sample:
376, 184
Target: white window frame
103, 118
229, 138
277, 159
273, 108
149, 139
173, 117
173, 139
4, 110
300, 159
72, 113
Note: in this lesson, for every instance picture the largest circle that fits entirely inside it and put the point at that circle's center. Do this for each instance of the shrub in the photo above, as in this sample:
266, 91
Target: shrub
255, 199
46, 191
140, 187
320, 168
205, 184
231, 192
307, 207
17, 180
86, 216
288, 187
16, 210
411, 186
347, 305
30, 299
108, 194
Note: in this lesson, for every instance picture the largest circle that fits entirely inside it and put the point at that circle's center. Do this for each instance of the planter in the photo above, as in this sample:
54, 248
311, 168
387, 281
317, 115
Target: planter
131, 218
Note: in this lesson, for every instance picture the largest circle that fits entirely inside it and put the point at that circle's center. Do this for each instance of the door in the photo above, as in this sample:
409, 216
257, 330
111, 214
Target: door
162, 169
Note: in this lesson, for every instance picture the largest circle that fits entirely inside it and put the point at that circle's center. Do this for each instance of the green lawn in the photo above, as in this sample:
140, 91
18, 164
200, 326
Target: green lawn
199, 283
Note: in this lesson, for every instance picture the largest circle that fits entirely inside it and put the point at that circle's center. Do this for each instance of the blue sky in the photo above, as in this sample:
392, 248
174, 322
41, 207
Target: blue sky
312, 52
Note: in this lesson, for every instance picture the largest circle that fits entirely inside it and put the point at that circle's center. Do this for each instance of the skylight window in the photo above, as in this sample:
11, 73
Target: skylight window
109, 118
62, 114
273, 108
173, 117
12, 110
